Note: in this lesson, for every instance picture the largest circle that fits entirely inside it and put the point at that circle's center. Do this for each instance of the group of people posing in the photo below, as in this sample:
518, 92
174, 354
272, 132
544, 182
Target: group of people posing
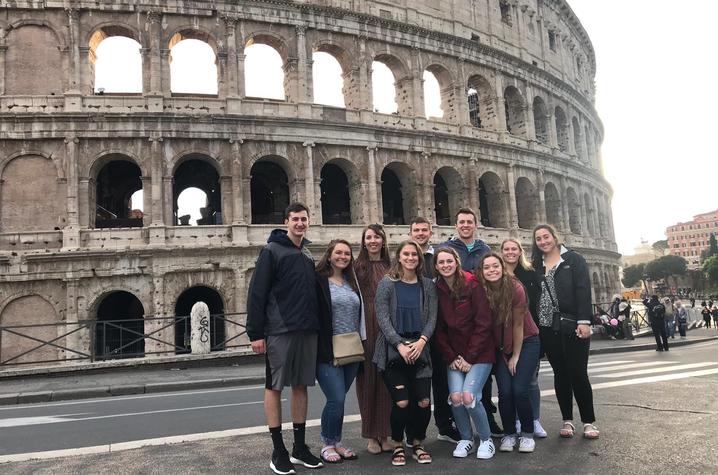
442, 318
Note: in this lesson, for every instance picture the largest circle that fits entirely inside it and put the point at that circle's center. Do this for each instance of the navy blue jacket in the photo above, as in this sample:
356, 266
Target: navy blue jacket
469, 260
282, 294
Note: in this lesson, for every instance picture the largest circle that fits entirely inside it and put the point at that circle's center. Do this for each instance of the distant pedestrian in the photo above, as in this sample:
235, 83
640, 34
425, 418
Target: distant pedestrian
714, 312
624, 316
670, 318
282, 323
681, 318
656, 316
706, 314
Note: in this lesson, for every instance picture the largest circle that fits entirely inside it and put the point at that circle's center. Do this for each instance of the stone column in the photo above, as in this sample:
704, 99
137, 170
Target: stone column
155, 20
564, 206
375, 214
238, 217
168, 213
461, 95
83, 193
232, 73
511, 187
227, 199
416, 79
552, 135
474, 187
71, 232
146, 55
304, 67
310, 197
425, 199
529, 114
500, 105
73, 15
365, 85
73, 342
146, 200
156, 191
87, 79
542, 197
3, 51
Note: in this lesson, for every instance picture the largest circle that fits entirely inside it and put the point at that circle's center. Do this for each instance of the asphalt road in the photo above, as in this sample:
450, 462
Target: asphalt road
656, 412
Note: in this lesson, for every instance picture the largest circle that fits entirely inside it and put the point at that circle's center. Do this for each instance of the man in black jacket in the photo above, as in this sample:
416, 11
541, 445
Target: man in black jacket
282, 323
656, 315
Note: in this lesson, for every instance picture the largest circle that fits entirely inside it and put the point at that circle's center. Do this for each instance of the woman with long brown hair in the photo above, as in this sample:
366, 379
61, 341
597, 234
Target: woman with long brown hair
371, 266
518, 346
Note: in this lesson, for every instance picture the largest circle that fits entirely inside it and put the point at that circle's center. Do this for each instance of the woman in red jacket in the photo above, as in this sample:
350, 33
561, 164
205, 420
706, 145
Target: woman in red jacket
464, 335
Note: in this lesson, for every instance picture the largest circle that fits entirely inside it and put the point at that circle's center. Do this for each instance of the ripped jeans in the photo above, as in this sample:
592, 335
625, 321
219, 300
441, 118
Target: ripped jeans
468, 406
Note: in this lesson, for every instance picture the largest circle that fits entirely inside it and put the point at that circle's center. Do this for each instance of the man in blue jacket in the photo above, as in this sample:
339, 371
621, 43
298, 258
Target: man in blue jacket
282, 323
470, 251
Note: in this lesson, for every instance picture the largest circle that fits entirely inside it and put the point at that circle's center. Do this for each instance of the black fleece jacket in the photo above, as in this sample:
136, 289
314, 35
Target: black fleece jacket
573, 285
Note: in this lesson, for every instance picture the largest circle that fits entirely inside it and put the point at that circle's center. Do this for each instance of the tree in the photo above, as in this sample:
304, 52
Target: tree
712, 246
632, 275
660, 246
665, 267
710, 269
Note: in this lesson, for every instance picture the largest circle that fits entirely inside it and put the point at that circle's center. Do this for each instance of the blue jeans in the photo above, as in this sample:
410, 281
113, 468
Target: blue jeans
670, 328
535, 393
335, 381
473, 383
514, 393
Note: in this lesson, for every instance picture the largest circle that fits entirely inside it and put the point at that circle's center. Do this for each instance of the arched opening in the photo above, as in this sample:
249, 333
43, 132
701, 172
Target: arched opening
482, 112
561, 129
514, 108
196, 172
183, 310
27, 347
115, 62
574, 211
577, 141
193, 66
392, 197
263, 71
328, 80
383, 86
432, 96
540, 120
492, 201
441, 201
526, 203
120, 327
189, 203
590, 215
35, 57
270, 192
116, 185
553, 205
336, 202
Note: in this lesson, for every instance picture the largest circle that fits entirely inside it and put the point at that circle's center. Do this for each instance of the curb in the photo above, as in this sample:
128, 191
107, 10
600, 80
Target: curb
646, 346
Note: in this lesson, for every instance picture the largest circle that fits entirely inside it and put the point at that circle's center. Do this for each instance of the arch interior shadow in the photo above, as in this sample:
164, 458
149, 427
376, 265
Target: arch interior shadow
270, 193
336, 204
441, 201
116, 183
120, 326
393, 200
196, 173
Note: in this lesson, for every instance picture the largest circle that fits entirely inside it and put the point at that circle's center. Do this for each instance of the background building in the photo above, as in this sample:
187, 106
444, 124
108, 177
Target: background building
518, 140
689, 239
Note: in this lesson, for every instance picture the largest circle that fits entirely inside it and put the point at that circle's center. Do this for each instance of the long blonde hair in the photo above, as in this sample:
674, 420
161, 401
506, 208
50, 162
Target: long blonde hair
396, 271
523, 261
501, 293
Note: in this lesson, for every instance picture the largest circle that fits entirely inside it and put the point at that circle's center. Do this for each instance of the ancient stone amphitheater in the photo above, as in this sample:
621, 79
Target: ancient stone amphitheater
518, 140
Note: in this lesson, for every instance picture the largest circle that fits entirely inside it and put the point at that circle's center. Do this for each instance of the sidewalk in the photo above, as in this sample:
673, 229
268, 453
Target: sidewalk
122, 382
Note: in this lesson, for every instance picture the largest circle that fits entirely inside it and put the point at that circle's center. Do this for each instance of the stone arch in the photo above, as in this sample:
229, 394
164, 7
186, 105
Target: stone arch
446, 90
183, 308
561, 129
111, 30
270, 189
526, 203
398, 193
351, 87
574, 211
198, 170
577, 140
34, 47
590, 218
339, 85
340, 192
541, 118
482, 102
402, 82
515, 111
493, 201
176, 81
111, 189
280, 46
41, 206
30, 309
552, 199
448, 194
120, 325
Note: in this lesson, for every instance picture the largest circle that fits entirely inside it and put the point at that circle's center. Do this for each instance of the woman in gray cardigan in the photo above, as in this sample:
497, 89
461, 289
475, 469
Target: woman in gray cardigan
406, 306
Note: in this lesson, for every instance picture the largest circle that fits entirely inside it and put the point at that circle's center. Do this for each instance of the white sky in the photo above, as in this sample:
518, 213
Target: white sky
656, 64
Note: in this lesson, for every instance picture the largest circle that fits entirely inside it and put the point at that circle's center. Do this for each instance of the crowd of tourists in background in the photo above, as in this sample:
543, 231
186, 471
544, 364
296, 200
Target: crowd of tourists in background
421, 319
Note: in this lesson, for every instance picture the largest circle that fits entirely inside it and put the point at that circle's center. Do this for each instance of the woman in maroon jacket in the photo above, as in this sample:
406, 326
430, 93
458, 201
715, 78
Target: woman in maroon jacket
464, 335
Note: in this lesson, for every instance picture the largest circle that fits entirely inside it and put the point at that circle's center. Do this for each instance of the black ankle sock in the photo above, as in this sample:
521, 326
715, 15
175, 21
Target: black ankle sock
299, 434
277, 441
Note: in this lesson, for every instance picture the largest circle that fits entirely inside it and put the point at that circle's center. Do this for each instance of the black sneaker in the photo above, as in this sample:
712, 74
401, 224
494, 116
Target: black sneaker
280, 464
496, 430
449, 434
304, 456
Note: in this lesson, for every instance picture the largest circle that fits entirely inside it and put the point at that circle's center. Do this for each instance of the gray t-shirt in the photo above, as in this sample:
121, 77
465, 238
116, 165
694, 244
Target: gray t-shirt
345, 308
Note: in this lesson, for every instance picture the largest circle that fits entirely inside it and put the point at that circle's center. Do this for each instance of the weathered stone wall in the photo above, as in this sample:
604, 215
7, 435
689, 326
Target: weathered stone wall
534, 158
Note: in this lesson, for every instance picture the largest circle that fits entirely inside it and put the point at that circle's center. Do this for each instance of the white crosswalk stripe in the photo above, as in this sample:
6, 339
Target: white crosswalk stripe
663, 369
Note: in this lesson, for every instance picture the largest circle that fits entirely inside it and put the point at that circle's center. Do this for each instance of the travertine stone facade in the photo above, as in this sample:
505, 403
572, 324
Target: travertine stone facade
519, 141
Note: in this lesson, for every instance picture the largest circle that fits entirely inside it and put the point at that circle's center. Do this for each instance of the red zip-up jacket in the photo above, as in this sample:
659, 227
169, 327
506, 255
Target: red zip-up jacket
464, 327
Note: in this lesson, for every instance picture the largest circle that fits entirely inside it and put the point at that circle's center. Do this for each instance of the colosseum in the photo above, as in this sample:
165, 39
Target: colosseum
108, 275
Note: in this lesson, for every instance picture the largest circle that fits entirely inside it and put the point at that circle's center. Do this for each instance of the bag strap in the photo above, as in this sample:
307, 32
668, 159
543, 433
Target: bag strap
548, 288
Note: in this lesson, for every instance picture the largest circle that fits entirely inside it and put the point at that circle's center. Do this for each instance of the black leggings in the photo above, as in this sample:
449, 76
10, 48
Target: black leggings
569, 359
401, 381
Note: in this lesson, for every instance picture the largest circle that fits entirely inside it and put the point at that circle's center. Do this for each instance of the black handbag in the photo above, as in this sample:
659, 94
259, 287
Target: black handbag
394, 357
562, 323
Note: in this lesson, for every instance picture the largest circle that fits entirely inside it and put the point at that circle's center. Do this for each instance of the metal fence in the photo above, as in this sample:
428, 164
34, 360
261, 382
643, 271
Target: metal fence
97, 340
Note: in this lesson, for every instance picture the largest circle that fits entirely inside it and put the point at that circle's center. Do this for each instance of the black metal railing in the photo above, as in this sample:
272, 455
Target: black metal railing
97, 340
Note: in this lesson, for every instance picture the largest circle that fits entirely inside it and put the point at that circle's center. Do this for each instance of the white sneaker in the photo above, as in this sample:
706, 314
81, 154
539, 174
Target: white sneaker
508, 442
539, 431
526, 445
486, 450
464, 448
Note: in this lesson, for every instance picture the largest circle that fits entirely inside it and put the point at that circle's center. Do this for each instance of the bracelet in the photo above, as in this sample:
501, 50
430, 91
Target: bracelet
423, 337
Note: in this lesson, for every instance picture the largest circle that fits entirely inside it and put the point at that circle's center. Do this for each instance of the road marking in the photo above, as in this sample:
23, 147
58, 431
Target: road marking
548, 368
630, 366
32, 421
663, 369
126, 398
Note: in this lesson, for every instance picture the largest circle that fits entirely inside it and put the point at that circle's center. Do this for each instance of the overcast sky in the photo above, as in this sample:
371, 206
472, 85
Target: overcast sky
657, 97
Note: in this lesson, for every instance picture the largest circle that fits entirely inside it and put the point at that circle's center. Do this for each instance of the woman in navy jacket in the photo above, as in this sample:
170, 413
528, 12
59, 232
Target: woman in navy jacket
565, 288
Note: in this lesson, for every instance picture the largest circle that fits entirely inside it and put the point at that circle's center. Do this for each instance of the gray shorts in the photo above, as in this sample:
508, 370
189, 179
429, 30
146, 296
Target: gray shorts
291, 359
